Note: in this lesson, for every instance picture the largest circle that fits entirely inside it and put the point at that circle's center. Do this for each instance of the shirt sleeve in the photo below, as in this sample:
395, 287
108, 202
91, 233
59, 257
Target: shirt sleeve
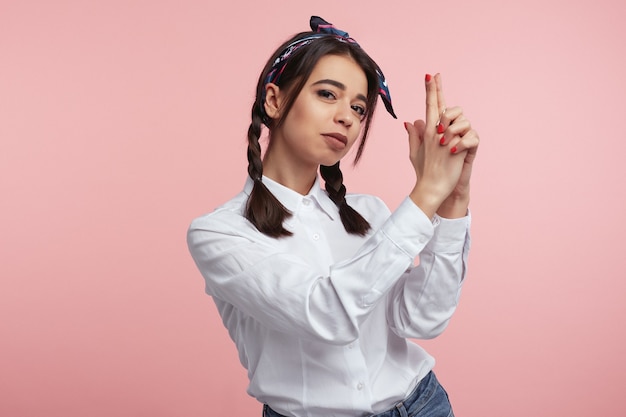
280, 290
425, 298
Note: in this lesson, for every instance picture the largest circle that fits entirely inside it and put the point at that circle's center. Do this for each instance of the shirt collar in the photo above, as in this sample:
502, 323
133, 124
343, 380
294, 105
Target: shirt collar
292, 200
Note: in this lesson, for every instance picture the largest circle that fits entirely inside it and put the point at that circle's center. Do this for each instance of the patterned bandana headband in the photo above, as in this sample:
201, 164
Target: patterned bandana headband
322, 29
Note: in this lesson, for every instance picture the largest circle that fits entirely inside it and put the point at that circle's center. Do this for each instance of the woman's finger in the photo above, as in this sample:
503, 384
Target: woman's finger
421, 128
451, 115
432, 104
468, 142
460, 127
414, 139
440, 100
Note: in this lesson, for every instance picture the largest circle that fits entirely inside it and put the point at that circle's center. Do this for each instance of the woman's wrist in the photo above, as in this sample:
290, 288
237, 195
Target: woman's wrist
426, 198
454, 206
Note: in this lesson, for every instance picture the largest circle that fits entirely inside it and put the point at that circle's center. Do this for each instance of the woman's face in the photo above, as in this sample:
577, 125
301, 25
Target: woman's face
325, 119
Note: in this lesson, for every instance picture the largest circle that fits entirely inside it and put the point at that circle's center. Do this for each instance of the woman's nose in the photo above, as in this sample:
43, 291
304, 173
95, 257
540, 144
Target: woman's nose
344, 116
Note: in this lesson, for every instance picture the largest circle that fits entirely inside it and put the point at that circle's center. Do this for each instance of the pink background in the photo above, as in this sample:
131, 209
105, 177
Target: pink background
123, 120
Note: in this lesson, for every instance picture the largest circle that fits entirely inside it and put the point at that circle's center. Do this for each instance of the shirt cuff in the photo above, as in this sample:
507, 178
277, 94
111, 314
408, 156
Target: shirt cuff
450, 234
409, 228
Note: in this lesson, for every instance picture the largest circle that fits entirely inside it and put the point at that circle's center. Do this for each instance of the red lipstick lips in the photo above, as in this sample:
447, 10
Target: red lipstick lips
338, 136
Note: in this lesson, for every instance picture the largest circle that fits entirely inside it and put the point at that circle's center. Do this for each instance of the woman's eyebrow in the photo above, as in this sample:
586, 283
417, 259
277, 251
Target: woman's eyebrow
340, 86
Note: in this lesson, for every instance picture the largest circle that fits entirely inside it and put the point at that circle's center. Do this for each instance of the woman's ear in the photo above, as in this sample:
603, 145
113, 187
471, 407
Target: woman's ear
273, 100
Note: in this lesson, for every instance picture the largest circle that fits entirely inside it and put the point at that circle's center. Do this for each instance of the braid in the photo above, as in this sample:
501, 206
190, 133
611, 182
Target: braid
352, 221
262, 209
255, 165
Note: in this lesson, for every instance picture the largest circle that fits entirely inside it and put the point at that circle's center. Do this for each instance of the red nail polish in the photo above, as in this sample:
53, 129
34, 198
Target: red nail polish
440, 128
428, 77
406, 126
442, 140
453, 150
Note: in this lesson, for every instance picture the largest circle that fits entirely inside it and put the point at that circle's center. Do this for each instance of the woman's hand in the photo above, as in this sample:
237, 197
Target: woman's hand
442, 151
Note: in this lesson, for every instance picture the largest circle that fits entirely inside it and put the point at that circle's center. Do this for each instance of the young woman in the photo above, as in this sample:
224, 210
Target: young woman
317, 288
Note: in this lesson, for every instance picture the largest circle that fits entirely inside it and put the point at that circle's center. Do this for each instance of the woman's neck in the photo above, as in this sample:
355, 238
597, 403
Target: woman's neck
300, 182
291, 174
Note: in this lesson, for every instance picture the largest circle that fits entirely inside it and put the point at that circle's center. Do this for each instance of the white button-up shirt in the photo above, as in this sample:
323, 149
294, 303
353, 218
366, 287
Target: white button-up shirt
321, 318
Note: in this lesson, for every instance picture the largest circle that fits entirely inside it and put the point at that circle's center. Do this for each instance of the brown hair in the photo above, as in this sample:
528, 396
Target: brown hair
263, 209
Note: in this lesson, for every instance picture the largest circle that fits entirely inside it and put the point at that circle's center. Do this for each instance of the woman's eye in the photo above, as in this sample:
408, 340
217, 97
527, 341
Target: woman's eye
359, 109
326, 94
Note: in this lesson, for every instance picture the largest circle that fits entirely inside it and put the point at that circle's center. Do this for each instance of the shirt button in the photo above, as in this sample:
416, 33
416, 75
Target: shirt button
351, 345
306, 202
316, 236
359, 386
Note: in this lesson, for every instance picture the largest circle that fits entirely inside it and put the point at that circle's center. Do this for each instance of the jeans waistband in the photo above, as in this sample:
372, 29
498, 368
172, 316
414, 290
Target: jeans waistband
415, 402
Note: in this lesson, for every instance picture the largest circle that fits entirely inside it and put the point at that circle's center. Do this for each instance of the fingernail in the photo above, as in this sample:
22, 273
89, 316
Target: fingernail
406, 126
428, 77
453, 150
442, 140
440, 128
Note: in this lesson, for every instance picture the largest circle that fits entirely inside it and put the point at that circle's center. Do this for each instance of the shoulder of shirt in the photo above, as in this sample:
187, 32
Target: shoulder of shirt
371, 207
366, 201
228, 216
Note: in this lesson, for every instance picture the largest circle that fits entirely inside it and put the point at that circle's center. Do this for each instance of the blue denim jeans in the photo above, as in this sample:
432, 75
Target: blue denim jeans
428, 399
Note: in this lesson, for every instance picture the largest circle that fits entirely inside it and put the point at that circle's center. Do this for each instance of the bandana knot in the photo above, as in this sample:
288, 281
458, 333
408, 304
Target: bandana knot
322, 29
